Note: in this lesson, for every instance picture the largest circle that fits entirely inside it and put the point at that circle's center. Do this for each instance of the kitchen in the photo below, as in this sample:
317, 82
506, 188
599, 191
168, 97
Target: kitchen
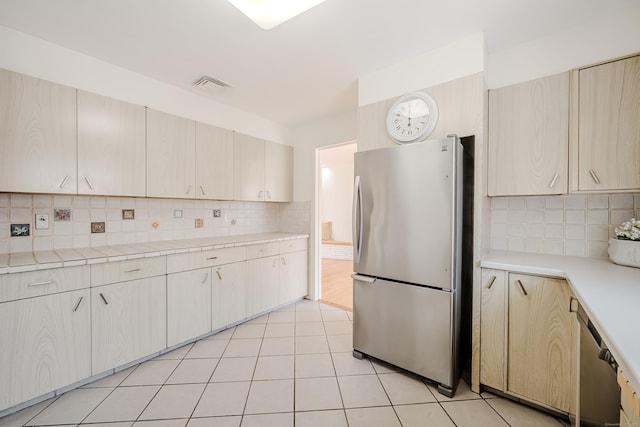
377, 91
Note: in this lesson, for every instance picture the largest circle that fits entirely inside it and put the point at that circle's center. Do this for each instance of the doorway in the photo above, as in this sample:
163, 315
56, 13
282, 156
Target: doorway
335, 199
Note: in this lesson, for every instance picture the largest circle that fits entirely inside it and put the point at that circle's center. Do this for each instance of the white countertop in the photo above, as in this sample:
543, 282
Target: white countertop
609, 293
41, 260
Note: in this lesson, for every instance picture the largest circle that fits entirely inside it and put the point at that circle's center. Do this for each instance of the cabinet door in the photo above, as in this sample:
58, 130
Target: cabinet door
278, 172
492, 329
293, 276
540, 340
229, 296
46, 345
263, 290
170, 156
609, 129
188, 305
111, 146
214, 162
37, 135
128, 321
248, 168
529, 137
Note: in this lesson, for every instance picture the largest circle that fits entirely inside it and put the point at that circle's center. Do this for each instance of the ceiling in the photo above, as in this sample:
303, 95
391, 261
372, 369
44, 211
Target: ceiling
302, 70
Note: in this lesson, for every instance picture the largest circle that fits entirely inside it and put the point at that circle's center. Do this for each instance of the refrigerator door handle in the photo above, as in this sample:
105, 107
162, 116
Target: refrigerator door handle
361, 278
357, 223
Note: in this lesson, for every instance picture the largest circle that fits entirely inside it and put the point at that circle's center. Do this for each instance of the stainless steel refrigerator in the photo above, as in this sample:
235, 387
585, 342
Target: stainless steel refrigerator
407, 239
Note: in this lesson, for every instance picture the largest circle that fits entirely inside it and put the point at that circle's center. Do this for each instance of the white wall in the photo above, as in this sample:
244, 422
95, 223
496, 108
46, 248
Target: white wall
337, 189
38, 58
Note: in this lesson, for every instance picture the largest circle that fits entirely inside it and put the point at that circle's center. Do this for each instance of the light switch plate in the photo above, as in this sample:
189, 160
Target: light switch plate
42, 221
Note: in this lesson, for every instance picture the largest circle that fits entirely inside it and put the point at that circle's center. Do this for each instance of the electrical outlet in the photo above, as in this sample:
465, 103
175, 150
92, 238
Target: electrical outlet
199, 223
217, 213
42, 221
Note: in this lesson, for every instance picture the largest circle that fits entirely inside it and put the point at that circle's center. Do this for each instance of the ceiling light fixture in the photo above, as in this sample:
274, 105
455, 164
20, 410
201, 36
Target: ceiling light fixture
270, 13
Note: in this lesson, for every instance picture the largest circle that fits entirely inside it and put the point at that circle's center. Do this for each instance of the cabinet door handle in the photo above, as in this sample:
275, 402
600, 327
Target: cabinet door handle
31, 285
206, 276
491, 280
89, 183
64, 181
284, 261
553, 180
594, 176
202, 190
188, 190
133, 270
104, 299
275, 263
218, 274
524, 291
77, 304
260, 194
268, 194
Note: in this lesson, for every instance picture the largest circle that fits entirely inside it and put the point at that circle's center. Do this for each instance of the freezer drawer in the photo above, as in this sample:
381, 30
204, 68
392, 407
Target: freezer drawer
406, 325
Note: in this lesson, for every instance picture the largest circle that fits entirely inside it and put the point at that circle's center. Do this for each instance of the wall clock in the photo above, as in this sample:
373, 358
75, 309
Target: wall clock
412, 118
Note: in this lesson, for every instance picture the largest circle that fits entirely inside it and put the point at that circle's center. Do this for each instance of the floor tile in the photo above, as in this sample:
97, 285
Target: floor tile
191, 371
215, 422
426, 414
124, 404
346, 364
473, 413
250, 330
207, 349
340, 343
335, 418
234, 369
160, 423
173, 401
118, 424
339, 328
362, 390
178, 353
518, 415
383, 416
274, 368
71, 407
262, 319
383, 367
314, 365
277, 346
112, 380
463, 392
270, 397
153, 372
21, 417
308, 316
317, 394
282, 317
222, 335
334, 315
310, 345
268, 420
243, 347
307, 329
307, 305
223, 399
275, 330
404, 389
328, 307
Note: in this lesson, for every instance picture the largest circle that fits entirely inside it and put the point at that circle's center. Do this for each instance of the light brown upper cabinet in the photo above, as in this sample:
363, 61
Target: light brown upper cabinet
278, 172
37, 135
608, 128
171, 156
529, 137
111, 146
214, 162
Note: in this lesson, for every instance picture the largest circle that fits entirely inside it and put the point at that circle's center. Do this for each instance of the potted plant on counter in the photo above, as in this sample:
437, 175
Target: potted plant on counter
625, 248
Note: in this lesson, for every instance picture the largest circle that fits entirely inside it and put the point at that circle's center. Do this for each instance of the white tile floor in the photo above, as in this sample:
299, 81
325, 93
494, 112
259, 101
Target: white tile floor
291, 367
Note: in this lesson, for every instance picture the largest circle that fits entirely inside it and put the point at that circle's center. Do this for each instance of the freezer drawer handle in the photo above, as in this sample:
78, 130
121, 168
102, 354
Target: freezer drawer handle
360, 278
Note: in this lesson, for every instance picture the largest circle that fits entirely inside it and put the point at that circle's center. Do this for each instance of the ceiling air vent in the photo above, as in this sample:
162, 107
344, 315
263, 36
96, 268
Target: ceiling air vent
210, 82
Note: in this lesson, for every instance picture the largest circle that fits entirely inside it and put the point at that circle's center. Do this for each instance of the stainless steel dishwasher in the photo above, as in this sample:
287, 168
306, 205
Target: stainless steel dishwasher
599, 390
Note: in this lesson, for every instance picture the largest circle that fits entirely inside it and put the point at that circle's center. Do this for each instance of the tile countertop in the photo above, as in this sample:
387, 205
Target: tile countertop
31, 261
609, 293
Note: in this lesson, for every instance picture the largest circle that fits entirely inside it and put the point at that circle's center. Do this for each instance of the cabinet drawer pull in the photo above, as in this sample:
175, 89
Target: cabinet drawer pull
524, 291
206, 276
202, 190
553, 180
133, 270
104, 299
491, 280
77, 304
89, 183
31, 285
218, 274
212, 258
594, 176
64, 181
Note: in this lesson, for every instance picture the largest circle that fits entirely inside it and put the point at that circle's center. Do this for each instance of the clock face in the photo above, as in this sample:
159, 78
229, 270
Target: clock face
412, 118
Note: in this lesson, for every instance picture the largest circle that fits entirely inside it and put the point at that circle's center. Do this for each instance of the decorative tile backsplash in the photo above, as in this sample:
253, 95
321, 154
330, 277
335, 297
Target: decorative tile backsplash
579, 225
151, 220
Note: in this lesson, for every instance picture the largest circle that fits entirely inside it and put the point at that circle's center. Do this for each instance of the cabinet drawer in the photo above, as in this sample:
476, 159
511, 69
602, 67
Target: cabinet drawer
36, 283
293, 245
263, 250
114, 272
195, 260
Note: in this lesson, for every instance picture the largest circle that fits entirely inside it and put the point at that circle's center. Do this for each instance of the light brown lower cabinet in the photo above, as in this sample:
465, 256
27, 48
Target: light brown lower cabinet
527, 338
629, 402
229, 294
188, 305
